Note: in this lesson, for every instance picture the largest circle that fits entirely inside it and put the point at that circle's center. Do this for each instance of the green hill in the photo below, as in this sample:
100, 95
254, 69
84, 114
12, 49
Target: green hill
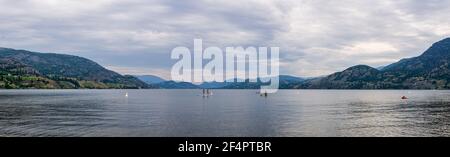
25, 69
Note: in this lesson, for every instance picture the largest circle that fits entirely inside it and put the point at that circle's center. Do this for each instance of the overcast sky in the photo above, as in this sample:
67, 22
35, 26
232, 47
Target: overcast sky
316, 37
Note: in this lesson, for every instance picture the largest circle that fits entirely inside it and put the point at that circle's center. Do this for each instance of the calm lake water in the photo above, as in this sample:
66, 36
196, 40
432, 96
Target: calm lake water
234, 113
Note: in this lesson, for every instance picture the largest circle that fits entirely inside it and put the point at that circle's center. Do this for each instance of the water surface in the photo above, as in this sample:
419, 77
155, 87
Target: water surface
175, 113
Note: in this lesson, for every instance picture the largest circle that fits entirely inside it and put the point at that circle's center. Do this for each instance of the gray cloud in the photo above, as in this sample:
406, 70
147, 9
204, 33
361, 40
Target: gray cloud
316, 37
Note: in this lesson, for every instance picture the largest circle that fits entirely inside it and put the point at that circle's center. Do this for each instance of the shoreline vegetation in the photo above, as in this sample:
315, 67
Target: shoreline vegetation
20, 69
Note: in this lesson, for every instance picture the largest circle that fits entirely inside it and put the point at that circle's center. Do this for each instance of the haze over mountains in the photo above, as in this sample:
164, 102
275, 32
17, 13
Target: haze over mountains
24, 69
430, 70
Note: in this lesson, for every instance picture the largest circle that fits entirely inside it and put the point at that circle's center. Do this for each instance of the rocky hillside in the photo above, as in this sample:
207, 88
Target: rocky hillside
430, 70
25, 69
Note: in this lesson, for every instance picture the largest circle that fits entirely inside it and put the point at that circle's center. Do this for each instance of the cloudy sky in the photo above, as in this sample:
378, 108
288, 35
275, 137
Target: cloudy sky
316, 37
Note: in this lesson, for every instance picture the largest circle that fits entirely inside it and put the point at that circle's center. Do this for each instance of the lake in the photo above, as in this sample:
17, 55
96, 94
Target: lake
236, 113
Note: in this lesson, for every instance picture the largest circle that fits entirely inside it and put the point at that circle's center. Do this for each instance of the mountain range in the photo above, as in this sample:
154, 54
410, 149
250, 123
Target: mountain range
25, 69
286, 82
431, 70
150, 79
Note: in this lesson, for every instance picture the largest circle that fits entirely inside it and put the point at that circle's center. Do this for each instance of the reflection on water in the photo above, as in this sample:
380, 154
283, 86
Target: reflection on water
227, 113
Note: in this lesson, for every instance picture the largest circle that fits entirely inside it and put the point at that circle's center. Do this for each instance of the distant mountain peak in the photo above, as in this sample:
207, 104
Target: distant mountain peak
150, 79
176, 85
361, 67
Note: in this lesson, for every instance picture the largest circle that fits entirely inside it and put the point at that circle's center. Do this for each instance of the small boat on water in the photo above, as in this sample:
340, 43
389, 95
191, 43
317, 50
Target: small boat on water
126, 94
404, 97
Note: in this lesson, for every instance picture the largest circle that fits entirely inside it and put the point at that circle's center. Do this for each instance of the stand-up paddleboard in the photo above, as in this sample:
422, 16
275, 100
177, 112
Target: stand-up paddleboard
206, 93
